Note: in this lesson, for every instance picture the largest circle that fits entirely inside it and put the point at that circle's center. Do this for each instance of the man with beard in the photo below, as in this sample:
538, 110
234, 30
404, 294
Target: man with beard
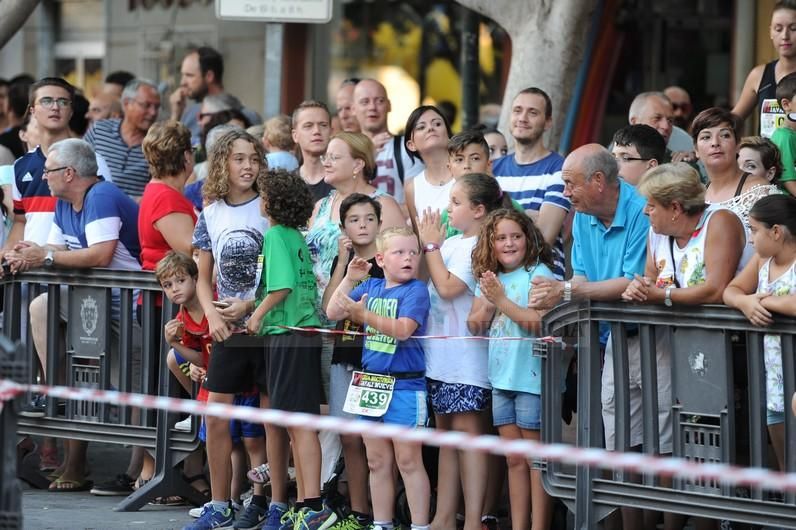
119, 140
202, 74
681, 105
532, 173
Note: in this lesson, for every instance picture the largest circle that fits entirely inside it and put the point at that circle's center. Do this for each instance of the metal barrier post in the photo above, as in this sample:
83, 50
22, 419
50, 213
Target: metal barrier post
589, 420
13, 366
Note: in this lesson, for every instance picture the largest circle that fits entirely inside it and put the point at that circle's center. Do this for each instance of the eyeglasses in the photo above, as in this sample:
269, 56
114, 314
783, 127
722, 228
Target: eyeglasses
681, 106
332, 159
625, 159
48, 102
48, 171
146, 106
203, 115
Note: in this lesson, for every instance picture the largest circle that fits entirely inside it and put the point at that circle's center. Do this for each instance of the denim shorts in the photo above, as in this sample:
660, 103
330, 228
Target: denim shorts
519, 408
240, 429
774, 417
408, 408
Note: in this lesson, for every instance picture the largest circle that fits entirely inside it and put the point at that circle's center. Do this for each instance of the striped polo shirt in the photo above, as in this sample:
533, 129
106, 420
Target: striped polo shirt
128, 165
533, 185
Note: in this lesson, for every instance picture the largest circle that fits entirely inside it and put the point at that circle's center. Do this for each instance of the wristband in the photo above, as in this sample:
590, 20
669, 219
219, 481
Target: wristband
567, 291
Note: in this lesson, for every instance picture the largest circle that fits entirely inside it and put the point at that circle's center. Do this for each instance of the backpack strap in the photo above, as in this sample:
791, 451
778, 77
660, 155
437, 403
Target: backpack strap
397, 148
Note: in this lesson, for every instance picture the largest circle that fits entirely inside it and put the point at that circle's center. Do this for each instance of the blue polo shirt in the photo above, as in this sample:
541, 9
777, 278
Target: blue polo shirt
618, 251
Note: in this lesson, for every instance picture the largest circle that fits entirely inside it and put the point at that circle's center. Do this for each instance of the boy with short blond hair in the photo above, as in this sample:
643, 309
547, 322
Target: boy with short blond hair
394, 310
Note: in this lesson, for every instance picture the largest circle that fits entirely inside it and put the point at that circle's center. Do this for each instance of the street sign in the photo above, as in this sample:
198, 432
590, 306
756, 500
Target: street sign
300, 11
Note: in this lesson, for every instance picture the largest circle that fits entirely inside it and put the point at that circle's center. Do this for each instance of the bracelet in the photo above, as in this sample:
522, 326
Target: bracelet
567, 296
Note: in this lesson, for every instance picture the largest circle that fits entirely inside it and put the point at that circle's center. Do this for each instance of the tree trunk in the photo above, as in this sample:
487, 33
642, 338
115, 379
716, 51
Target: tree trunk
548, 43
13, 14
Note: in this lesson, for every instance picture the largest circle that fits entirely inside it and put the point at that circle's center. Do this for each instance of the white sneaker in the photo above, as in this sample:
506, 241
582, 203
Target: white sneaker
184, 426
197, 512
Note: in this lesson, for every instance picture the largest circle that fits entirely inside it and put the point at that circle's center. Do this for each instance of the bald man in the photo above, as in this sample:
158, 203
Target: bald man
609, 249
345, 106
103, 106
681, 105
655, 109
393, 164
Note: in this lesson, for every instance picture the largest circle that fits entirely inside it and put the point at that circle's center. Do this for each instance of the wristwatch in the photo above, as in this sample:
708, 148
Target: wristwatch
430, 247
48, 259
567, 291
667, 295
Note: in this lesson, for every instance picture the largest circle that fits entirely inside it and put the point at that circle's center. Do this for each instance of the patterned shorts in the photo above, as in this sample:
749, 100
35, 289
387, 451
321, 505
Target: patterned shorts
450, 398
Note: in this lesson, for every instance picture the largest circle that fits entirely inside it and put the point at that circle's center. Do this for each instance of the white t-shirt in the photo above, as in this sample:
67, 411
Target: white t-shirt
234, 235
428, 195
387, 179
455, 361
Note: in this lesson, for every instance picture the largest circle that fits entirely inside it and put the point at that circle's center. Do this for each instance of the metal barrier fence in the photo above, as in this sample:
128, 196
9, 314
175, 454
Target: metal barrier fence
714, 378
106, 347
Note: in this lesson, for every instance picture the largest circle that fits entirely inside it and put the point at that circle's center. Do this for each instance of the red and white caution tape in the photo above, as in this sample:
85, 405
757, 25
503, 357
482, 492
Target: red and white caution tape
328, 331
634, 462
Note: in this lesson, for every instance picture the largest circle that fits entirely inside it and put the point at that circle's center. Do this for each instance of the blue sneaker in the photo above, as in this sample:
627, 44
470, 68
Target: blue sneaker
287, 520
252, 518
273, 520
212, 519
307, 519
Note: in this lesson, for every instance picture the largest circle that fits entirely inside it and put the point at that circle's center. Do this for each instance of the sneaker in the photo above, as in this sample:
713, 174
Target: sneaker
212, 519
307, 519
34, 409
252, 518
121, 486
287, 519
348, 523
197, 512
184, 425
273, 519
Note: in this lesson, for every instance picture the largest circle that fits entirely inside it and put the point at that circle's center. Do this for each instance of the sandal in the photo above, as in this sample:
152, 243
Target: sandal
66, 485
205, 491
259, 474
140, 483
170, 500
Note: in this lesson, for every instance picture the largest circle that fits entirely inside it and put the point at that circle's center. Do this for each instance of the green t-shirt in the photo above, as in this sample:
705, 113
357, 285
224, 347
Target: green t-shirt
450, 231
785, 140
287, 266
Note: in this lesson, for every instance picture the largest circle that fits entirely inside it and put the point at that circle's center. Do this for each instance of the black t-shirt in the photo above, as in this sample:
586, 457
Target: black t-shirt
348, 348
10, 139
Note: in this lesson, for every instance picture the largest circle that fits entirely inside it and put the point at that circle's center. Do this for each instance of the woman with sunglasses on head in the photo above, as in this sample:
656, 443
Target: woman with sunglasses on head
758, 92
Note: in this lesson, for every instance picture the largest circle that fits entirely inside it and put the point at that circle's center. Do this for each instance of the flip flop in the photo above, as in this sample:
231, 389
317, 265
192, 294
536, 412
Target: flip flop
66, 485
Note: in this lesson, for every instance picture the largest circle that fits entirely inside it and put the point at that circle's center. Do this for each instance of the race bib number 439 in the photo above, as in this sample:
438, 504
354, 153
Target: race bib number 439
369, 394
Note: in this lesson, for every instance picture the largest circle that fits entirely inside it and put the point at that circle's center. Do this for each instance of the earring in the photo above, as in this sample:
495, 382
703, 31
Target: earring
355, 176
672, 218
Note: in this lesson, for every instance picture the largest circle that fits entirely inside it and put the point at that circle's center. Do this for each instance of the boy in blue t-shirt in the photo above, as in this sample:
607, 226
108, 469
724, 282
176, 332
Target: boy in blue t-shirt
393, 309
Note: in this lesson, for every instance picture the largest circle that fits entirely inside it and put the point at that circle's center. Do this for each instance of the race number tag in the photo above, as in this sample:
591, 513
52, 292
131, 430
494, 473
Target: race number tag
771, 117
369, 394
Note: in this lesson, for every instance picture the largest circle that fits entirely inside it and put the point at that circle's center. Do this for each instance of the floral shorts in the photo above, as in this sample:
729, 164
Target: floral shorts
450, 398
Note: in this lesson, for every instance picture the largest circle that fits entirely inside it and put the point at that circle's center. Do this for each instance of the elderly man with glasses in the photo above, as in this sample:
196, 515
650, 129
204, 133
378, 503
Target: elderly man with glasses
119, 140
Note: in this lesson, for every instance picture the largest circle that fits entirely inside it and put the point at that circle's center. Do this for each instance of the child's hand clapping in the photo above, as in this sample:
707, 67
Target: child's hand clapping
344, 247
356, 310
491, 288
430, 227
358, 269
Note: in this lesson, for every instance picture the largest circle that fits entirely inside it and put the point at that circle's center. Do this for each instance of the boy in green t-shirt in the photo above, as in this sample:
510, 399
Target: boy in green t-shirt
286, 297
784, 137
468, 152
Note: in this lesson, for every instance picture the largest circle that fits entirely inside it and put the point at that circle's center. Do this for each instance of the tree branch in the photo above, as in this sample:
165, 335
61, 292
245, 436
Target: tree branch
13, 14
